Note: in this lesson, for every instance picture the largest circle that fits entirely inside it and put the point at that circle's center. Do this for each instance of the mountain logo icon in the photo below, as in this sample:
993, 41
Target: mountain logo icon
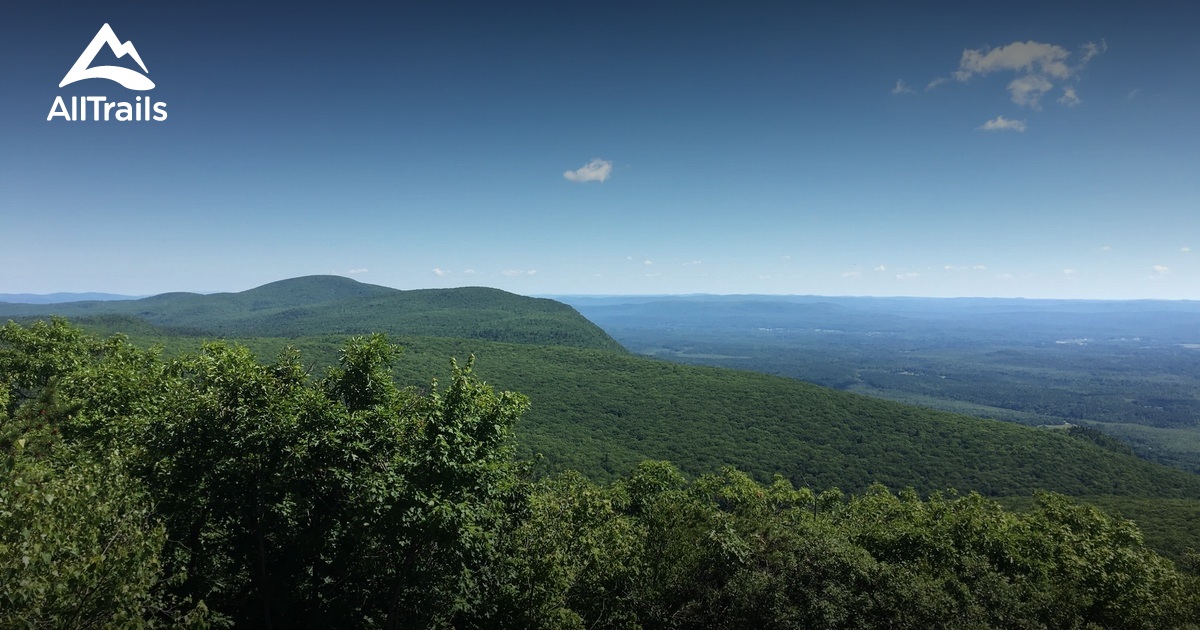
130, 79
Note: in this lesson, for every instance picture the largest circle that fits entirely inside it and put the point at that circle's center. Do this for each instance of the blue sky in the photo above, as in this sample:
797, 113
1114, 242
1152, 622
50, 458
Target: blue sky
767, 149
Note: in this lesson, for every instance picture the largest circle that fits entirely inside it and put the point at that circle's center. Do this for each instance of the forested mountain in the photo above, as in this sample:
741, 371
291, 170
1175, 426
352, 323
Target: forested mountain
211, 489
299, 476
336, 305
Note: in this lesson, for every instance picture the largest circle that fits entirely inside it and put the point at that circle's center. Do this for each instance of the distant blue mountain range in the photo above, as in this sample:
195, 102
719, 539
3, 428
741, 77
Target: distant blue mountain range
59, 298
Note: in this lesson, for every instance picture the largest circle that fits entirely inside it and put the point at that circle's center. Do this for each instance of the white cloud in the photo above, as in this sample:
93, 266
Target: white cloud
980, 267
1106, 248
355, 272
1091, 50
441, 273
1000, 123
951, 268
1185, 249
1030, 56
1069, 98
851, 274
469, 272
1161, 269
902, 88
595, 171
1028, 90
517, 272
1133, 94
647, 262
881, 268
1039, 68
908, 276
1069, 273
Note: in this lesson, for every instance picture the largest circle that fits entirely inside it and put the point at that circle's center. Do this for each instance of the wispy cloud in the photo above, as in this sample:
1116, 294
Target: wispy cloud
595, 171
1000, 123
469, 272
693, 262
1106, 248
1185, 249
881, 268
439, 272
511, 273
1028, 90
1161, 269
355, 272
1038, 67
912, 275
647, 262
1070, 273
1069, 97
1004, 276
902, 88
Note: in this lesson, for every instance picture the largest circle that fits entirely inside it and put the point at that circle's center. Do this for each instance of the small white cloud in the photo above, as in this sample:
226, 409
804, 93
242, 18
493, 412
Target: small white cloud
951, 268
851, 274
1091, 50
1028, 90
1133, 94
936, 82
517, 272
1161, 269
908, 276
902, 88
1185, 249
1069, 98
980, 267
647, 262
1106, 248
355, 272
881, 268
441, 273
1000, 123
1069, 273
469, 271
595, 171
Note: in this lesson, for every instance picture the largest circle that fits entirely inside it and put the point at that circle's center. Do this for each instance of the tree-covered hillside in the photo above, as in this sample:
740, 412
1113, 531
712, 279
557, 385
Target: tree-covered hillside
211, 489
316, 305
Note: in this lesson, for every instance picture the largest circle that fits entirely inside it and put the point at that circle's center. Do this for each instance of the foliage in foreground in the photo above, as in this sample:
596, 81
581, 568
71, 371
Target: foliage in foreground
141, 491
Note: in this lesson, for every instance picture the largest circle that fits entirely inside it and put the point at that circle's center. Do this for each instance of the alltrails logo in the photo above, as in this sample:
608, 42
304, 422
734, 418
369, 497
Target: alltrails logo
99, 107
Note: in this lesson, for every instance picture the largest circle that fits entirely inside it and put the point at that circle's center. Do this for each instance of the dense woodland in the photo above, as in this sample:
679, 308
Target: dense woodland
211, 489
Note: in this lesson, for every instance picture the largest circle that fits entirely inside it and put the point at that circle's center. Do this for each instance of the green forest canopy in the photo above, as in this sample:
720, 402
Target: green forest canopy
212, 489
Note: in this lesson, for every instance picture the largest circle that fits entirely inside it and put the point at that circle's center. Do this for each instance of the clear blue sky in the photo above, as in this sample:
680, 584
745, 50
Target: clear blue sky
773, 148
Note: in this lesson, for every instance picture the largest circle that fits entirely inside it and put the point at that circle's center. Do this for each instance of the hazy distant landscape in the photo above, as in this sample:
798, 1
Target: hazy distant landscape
1131, 369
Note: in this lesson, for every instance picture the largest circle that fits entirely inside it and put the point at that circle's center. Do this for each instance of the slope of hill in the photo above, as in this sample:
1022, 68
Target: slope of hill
602, 412
336, 305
